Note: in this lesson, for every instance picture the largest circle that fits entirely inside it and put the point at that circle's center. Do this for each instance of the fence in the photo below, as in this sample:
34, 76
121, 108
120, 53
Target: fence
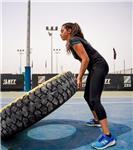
113, 82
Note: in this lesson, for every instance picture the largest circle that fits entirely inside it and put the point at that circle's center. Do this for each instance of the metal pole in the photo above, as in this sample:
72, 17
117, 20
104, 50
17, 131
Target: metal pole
124, 66
57, 52
20, 63
57, 62
51, 52
61, 69
20, 51
114, 66
51, 29
28, 67
45, 66
28, 37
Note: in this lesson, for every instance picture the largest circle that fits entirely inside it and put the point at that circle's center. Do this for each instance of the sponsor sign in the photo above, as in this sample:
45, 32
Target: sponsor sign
10, 82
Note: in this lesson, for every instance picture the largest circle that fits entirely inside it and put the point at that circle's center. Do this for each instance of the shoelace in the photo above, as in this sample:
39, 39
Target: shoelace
104, 141
101, 137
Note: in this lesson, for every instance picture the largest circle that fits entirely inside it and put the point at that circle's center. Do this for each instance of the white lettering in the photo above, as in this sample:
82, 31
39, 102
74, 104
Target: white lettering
9, 82
107, 81
127, 85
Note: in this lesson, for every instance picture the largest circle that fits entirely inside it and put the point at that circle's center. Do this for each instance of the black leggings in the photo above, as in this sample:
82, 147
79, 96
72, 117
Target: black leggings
94, 87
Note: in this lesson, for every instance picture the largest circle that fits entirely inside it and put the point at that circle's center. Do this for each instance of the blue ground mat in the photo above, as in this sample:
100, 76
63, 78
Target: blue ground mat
65, 128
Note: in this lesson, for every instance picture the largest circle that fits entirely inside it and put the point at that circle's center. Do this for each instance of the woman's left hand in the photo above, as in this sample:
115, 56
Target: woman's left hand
79, 82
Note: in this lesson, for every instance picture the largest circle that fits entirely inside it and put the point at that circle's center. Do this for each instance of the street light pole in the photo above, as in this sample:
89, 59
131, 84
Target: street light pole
20, 51
124, 66
50, 32
57, 51
28, 67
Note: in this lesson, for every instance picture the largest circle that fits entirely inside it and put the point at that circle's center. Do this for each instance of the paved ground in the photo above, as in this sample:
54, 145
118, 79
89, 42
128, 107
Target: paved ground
65, 128
78, 94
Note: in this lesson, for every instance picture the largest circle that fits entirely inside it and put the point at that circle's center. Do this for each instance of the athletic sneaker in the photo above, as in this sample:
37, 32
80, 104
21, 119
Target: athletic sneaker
93, 123
103, 142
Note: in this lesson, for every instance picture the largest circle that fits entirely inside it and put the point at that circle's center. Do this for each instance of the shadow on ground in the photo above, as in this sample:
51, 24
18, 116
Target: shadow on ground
39, 136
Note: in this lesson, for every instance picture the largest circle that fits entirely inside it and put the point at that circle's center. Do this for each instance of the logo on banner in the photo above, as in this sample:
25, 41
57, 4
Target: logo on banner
107, 81
9, 82
41, 79
127, 81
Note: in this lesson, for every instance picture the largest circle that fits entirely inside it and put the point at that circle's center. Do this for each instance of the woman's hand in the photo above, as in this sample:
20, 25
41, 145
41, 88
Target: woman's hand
79, 82
81, 52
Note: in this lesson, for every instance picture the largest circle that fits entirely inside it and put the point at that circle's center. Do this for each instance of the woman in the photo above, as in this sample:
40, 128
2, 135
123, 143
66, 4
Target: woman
92, 61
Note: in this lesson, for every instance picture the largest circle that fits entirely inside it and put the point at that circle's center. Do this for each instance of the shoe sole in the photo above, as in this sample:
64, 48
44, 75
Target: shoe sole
93, 125
108, 145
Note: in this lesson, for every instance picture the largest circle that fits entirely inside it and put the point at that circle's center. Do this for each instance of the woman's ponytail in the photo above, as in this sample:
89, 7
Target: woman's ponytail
76, 31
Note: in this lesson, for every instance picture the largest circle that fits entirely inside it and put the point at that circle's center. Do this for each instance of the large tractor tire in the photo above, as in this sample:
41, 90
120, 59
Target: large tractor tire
36, 104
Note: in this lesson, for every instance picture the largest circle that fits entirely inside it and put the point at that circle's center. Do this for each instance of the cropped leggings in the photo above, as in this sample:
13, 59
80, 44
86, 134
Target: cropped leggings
94, 87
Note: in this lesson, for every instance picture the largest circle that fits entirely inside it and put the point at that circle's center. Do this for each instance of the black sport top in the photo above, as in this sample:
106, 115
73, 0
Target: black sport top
94, 56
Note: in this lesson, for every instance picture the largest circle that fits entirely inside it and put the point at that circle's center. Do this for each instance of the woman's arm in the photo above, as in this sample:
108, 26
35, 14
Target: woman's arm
79, 49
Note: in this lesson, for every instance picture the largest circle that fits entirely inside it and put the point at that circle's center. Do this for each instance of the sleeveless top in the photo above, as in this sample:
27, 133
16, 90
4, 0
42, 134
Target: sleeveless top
94, 56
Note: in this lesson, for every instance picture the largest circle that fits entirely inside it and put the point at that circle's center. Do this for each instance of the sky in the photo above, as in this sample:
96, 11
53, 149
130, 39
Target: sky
106, 25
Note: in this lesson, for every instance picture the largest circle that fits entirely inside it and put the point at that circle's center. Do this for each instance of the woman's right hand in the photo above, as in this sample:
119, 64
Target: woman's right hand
79, 82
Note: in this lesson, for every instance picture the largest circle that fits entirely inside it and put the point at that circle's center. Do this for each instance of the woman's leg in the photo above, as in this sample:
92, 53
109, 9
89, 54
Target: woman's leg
96, 84
93, 91
95, 115
103, 122
104, 125
86, 96
97, 88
